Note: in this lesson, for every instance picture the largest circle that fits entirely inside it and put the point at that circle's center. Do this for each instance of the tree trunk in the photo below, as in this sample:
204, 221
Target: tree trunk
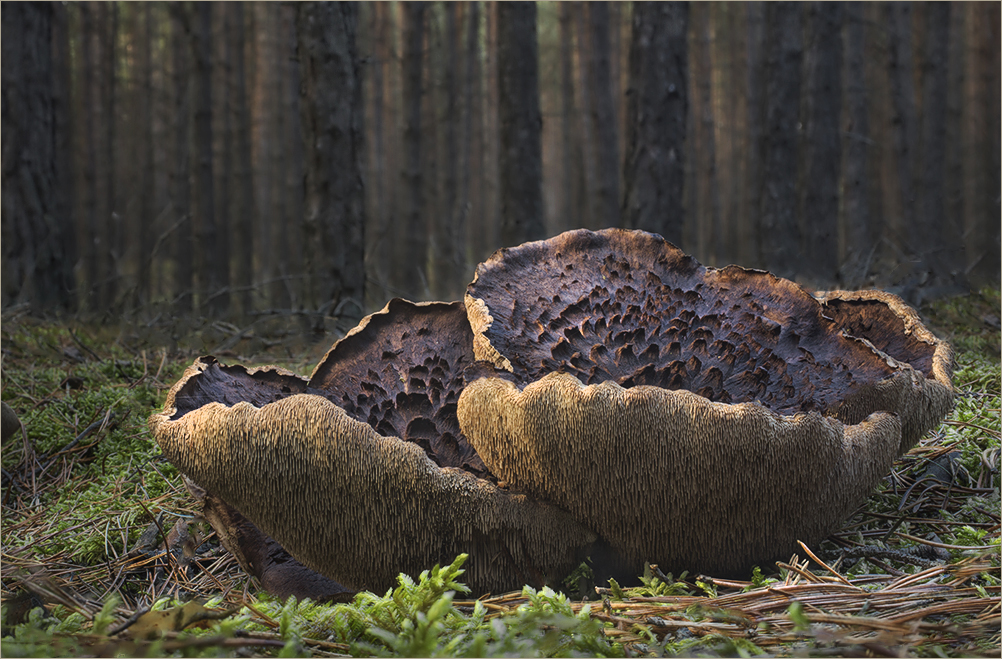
469, 154
823, 142
63, 107
861, 235
146, 161
938, 236
585, 127
571, 172
521, 164
243, 213
904, 123
780, 251
33, 259
412, 251
603, 112
331, 112
209, 261
114, 244
654, 170
450, 234
183, 262
750, 233
710, 219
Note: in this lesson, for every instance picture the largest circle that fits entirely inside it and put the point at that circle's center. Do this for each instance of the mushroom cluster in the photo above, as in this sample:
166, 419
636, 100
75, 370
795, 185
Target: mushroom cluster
599, 395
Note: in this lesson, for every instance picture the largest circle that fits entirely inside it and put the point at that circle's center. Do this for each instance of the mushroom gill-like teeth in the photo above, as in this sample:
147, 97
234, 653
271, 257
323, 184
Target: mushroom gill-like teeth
401, 371
673, 478
629, 307
361, 508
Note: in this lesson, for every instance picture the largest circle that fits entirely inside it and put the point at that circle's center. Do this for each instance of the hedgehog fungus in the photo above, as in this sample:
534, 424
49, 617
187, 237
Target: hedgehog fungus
600, 394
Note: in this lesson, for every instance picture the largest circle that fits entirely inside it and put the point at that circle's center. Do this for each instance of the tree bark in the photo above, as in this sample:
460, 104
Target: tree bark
823, 142
603, 112
904, 123
183, 261
521, 164
412, 251
114, 243
243, 213
780, 251
750, 233
938, 236
657, 107
209, 261
63, 107
331, 111
571, 172
861, 235
33, 245
709, 219
143, 93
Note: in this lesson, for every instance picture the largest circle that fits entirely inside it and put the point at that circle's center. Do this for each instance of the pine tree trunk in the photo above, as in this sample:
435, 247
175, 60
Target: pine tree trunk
183, 262
331, 111
571, 171
412, 251
823, 142
243, 208
208, 259
31, 229
938, 236
904, 122
780, 251
710, 220
750, 233
521, 168
603, 112
657, 107
861, 235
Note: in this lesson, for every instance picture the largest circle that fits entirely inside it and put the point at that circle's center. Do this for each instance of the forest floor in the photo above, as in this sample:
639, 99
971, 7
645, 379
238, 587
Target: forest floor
87, 502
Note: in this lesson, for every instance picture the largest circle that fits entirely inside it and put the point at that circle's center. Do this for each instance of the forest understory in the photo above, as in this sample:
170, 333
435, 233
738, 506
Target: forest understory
104, 552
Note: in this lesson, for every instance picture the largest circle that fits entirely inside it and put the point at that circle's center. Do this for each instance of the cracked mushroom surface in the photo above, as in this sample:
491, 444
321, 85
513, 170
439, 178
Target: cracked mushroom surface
307, 461
718, 415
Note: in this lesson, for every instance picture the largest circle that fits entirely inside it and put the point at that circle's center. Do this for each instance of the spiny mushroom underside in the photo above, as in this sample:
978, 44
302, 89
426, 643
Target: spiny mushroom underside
361, 508
401, 371
261, 556
673, 478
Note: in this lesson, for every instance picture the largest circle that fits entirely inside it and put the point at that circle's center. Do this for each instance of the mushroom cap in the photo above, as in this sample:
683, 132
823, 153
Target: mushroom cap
729, 399
344, 500
894, 329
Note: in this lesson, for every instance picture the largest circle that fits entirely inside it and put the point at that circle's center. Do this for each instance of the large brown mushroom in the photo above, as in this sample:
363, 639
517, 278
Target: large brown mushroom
361, 472
704, 419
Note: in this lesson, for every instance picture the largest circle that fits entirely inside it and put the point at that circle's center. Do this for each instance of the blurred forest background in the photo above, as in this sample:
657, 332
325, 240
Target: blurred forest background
234, 159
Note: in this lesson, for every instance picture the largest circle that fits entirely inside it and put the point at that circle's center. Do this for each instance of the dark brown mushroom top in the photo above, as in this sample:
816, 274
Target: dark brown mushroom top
211, 381
892, 327
401, 371
629, 307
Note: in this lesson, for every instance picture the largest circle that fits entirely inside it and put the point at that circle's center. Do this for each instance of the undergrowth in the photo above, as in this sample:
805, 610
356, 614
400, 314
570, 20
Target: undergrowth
85, 482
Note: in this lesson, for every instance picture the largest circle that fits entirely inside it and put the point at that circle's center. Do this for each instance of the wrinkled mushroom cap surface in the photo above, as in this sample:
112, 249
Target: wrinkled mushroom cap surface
344, 500
745, 418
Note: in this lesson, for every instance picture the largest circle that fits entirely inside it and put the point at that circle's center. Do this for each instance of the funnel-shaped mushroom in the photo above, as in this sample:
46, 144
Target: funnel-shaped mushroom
729, 414
345, 500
